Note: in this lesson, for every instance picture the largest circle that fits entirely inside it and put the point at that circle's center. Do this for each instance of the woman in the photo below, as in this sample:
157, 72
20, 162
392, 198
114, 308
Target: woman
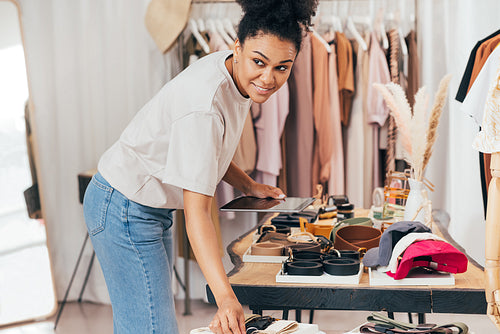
172, 155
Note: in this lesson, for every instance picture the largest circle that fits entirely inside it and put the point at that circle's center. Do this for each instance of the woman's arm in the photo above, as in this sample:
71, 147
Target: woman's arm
229, 318
241, 181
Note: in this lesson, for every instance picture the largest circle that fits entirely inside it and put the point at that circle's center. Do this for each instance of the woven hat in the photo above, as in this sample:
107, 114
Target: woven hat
165, 20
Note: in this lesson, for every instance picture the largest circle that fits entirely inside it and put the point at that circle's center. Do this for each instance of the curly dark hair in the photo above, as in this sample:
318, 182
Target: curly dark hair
286, 19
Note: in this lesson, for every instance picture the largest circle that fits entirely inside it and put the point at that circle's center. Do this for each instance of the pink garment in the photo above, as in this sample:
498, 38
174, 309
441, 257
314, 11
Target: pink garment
357, 155
269, 122
377, 109
265, 178
378, 72
336, 183
299, 125
323, 145
368, 130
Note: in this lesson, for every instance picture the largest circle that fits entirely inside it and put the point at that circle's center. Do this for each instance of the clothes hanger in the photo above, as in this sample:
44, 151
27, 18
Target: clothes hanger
196, 33
404, 46
229, 28
337, 23
362, 20
211, 26
380, 26
383, 34
352, 29
394, 18
402, 41
332, 23
220, 28
325, 43
201, 25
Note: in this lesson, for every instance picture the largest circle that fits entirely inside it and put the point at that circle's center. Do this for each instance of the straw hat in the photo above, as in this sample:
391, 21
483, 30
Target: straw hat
165, 20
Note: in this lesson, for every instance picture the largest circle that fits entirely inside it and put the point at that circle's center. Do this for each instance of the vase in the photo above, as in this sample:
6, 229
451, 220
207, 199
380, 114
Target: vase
417, 203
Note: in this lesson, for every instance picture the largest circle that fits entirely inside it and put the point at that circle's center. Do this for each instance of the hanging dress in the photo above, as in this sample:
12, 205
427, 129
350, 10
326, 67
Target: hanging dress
299, 125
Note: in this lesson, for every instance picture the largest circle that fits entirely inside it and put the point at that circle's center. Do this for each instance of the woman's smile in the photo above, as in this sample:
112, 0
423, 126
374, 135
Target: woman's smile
262, 65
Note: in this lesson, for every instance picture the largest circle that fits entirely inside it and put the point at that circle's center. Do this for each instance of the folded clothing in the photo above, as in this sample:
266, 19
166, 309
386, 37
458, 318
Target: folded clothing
277, 327
381, 255
290, 326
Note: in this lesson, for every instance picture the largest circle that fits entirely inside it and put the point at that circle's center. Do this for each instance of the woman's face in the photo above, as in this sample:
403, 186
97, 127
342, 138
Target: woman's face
262, 65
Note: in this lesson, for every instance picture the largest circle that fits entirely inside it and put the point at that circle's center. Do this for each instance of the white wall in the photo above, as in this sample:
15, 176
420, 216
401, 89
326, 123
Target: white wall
448, 30
8, 20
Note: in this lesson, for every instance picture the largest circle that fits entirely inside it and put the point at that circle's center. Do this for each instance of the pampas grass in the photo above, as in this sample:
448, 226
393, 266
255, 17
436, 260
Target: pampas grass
402, 118
417, 135
437, 110
418, 128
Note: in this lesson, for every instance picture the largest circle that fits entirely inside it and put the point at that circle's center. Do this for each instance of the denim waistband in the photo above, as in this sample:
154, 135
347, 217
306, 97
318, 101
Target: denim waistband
101, 182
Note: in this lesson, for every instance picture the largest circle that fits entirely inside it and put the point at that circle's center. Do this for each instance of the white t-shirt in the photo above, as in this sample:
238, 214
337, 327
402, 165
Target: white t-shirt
183, 138
488, 139
475, 100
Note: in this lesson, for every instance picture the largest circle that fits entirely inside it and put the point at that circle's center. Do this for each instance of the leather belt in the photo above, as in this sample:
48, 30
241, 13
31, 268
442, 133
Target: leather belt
365, 221
267, 248
309, 262
356, 237
302, 255
381, 324
275, 228
308, 256
282, 239
341, 266
312, 247
292, 219
304, 268
351, 254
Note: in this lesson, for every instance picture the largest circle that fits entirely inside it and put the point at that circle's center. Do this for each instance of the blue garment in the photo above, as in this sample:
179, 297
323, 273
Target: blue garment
133, 243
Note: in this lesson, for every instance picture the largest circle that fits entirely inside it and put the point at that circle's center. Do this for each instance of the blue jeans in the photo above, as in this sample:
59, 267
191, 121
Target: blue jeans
133, 243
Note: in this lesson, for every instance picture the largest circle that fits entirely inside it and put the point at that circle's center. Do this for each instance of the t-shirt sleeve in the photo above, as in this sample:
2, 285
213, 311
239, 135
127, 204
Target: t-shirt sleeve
475, 101
193, 153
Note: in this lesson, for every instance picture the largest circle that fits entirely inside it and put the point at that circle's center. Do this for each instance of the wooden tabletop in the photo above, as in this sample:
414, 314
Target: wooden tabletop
255, 285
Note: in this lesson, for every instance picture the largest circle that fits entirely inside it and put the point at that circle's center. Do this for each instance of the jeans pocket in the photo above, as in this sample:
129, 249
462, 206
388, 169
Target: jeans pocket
95, 206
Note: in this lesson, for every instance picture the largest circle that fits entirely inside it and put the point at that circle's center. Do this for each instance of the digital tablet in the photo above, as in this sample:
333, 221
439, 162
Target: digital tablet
254, 204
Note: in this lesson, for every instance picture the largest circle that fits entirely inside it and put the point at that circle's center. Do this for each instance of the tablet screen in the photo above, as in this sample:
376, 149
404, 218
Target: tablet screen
249, 203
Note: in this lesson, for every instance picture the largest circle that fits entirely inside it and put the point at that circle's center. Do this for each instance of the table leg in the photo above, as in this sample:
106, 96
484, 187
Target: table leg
298, 315
255, 309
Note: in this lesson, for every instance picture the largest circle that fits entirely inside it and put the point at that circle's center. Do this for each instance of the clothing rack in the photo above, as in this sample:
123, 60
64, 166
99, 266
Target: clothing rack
233, 1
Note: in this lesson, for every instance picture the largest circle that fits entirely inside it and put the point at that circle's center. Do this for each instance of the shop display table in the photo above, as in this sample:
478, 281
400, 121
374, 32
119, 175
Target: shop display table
255, 285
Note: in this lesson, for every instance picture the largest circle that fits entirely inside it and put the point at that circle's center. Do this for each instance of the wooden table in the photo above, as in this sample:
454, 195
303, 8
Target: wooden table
255, 286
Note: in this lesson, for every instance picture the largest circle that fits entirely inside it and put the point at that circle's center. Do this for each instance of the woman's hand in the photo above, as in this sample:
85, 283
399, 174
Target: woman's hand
263, 191
240, 180
229, 319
